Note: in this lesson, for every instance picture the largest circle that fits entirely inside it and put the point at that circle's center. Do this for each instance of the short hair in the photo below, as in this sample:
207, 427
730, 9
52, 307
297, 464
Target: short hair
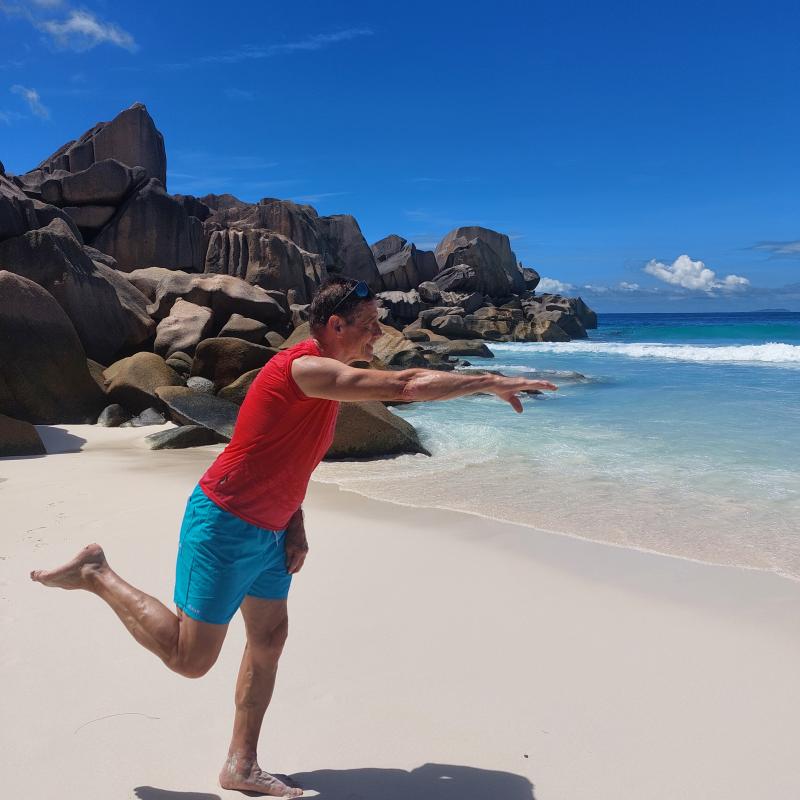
333, 296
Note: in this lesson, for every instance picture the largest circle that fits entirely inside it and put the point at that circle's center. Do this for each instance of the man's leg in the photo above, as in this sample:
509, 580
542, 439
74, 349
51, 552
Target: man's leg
267, 625
187, 646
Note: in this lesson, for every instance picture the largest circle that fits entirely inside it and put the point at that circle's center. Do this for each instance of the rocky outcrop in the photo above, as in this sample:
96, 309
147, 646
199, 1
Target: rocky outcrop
251, 330
153, 229
485, 250
237, 391
18, 438
347, 250
365, 430
130, 138
108, 313
44, 378
405, 268
266, 259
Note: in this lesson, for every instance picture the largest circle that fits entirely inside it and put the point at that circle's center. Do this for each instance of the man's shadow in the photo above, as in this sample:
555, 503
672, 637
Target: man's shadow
428, 782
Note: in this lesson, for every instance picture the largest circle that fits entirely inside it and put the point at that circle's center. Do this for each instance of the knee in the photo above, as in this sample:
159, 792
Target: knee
192, 666
269, 646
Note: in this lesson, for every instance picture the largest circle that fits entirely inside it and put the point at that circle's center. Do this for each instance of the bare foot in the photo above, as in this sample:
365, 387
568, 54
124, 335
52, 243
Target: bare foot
74, 574
244, 775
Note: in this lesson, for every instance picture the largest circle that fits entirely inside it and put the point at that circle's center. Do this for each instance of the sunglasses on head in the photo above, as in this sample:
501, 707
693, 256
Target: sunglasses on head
359, 290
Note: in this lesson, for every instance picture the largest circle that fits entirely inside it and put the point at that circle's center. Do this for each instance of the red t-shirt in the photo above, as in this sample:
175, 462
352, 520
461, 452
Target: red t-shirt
280, 436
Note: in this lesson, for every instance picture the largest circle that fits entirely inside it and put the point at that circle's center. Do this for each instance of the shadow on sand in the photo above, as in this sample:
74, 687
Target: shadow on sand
428, 782
57, 441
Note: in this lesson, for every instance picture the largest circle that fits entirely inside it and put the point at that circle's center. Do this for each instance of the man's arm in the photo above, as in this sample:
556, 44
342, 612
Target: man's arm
332, 380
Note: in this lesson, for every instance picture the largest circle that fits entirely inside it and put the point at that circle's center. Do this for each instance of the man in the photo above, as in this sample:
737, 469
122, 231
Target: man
242, 536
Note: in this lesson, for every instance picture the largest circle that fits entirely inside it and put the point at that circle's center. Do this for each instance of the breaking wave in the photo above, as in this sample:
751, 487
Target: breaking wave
771, 353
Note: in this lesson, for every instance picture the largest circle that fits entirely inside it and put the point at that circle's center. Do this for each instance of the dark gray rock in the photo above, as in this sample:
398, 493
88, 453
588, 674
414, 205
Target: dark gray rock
182, 437
187, 407
347, 251
429, 292
113, 416
273, 339
470, 348
300, 313
369, 429
531, 278
19, 438
44, 378
406, 269
17, 213
90, 217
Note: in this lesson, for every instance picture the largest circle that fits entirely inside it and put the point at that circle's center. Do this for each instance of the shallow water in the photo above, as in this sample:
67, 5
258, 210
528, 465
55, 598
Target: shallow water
673, 433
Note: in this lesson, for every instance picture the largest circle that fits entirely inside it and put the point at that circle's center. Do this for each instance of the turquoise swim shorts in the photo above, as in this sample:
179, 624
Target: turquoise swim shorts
222, 558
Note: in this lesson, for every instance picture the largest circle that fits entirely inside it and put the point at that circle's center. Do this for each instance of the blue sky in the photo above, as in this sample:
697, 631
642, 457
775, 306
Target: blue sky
642, 155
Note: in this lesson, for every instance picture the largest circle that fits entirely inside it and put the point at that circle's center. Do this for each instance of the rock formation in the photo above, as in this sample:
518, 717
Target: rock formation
100, 265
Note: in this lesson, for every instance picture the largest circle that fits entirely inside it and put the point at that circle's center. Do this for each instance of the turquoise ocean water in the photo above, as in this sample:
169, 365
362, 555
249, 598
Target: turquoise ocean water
675, 433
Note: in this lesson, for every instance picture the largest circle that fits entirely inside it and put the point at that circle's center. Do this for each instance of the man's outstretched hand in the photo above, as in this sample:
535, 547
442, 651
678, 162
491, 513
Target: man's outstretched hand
508, 388
295, 543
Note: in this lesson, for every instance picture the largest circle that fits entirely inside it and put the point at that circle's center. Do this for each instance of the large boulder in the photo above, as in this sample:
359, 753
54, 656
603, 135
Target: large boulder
153, 229
459, 347
483, 276
347, 251
404, 306
185, 327
237, 391
390, 345
387, 247
44, 377
188, 407
18, 438
369, 429
225, 359
459, 247
130, 138
132, 381
266, 259
109, 314
224, 295
531, 278
539, 329
407, 268
251, 330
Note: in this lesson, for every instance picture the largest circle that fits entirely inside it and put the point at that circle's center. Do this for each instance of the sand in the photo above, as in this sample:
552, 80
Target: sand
431, 655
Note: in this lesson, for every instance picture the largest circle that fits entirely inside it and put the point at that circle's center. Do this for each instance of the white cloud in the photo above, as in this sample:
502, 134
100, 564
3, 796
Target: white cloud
31, 97
780, 248
552, 286
81, 31
628, 287
694, 275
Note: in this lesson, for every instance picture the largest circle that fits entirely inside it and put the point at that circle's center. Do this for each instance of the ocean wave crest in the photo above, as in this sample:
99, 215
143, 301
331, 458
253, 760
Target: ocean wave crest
770, 353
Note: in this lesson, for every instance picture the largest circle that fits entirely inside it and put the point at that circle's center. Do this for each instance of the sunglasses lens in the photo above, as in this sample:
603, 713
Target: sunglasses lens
361, 289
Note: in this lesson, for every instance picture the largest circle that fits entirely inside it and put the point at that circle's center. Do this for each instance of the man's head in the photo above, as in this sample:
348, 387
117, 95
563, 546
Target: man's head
344, 318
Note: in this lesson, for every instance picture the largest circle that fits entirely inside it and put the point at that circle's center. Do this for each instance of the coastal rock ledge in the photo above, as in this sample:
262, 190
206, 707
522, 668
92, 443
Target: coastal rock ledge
114, 291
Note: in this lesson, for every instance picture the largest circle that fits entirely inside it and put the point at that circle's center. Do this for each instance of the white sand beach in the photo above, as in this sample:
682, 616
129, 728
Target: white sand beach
432, 654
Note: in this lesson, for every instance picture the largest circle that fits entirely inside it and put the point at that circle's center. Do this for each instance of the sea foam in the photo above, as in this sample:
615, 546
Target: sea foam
770, 353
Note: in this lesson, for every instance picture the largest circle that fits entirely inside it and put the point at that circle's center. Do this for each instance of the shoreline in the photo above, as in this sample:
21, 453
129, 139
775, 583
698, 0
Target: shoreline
425, 644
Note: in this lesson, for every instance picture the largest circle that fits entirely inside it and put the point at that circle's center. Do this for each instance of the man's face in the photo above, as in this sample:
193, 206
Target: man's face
359, 334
